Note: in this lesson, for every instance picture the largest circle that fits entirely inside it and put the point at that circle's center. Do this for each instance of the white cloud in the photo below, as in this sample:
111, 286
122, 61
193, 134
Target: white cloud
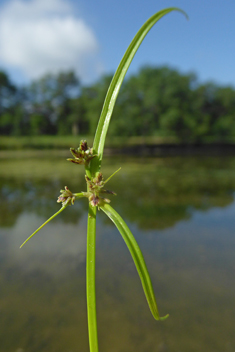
41, 36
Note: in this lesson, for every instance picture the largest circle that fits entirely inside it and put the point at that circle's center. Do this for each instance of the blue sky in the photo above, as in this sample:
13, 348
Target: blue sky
91, 36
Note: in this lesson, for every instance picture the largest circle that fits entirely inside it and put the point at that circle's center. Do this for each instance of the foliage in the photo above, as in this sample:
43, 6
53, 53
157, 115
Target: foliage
157, 101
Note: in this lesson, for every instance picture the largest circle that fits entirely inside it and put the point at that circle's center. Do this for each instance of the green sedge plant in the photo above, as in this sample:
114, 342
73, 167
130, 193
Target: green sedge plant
96, 191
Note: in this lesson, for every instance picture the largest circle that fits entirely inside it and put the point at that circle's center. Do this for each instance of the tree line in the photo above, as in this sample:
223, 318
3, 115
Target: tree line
157, 101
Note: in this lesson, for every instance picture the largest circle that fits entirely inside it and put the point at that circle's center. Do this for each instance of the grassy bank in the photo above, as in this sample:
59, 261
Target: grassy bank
151, 145
64, 142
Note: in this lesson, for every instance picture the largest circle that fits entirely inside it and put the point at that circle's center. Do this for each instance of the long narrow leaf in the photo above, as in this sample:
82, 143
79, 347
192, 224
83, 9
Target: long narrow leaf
137, 257
118, 79
46, 222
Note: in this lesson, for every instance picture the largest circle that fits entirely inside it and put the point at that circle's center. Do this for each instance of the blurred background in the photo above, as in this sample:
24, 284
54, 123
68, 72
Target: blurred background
173, 134
57, 59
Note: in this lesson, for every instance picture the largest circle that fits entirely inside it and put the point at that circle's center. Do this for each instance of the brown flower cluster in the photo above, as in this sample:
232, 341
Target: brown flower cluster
66, 197
95, 188
83, 154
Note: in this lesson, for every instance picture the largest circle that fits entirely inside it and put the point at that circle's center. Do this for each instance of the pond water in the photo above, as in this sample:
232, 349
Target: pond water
182, 213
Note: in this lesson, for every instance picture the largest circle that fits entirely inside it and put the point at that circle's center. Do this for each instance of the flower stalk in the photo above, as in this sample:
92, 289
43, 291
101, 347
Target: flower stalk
90, 279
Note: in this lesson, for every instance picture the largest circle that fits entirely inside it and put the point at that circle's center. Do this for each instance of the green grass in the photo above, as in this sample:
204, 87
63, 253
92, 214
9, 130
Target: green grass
39, 142
65, 142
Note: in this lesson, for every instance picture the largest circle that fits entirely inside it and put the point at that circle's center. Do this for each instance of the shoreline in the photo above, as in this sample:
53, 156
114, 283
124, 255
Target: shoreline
148, 150
170, 149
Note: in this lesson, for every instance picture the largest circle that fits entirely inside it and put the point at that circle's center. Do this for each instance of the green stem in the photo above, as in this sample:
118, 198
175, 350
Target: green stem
90, 279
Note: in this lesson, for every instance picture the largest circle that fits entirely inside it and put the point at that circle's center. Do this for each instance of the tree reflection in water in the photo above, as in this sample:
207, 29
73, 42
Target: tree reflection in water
189, 241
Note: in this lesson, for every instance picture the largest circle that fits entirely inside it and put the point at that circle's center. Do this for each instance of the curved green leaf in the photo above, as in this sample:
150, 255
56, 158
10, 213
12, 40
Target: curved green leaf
137, 257
118, 77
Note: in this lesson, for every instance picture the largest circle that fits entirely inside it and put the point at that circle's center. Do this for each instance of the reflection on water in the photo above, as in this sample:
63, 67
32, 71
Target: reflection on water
182, 213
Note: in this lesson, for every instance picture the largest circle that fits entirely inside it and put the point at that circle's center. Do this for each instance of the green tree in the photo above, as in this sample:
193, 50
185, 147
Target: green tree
93, 99
156, 101
49, 99
78, 116
224, 124
7, 102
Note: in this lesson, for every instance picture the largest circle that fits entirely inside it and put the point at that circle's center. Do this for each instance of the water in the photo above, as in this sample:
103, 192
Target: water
181, 211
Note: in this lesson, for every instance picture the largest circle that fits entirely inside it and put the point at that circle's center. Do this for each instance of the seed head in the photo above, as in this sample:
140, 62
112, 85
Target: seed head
66, 197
